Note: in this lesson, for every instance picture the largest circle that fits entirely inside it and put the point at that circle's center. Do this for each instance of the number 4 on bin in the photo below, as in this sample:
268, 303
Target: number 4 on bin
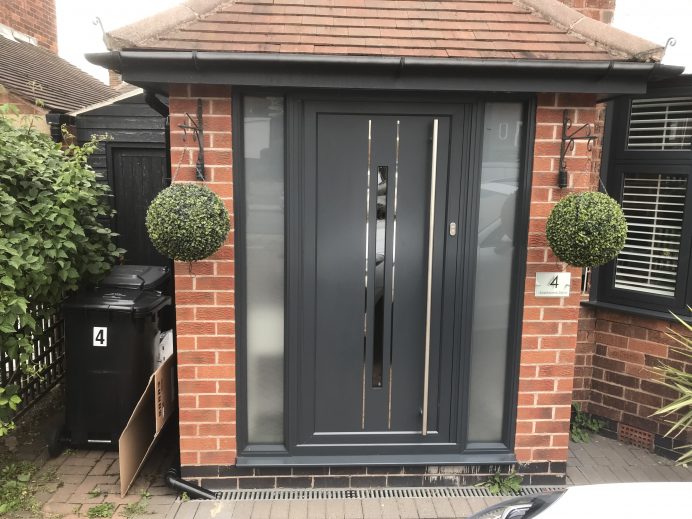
100, 336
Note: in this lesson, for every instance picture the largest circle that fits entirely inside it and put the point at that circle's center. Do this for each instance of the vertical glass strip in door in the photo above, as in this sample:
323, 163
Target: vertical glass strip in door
263, 132
501, 167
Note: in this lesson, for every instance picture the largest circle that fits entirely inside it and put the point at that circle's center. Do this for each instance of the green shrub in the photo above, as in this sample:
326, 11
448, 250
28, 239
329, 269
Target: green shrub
680, 381
17, 487
187, 222
51, 236
586, 229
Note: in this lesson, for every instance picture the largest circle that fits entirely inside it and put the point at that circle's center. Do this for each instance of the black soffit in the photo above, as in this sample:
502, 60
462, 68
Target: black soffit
157, 69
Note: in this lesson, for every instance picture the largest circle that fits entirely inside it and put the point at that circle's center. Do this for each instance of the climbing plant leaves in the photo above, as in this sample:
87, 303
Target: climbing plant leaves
53, 235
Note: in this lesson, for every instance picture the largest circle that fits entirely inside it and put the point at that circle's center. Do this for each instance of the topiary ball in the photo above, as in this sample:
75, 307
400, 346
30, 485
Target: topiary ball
187, 222
586, 229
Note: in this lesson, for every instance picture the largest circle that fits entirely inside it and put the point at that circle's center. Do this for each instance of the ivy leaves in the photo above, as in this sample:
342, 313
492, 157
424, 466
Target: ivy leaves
52, 235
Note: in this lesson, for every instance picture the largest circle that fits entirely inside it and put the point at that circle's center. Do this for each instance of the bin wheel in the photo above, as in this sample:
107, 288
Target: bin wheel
56, 442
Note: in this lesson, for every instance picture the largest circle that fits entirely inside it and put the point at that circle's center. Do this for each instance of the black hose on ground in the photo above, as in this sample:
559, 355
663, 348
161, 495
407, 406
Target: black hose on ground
173, 480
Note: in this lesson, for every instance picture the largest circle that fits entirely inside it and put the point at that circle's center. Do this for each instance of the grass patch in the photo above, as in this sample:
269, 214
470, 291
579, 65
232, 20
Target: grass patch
503, 484
138, 508
102, 510
96, 492
135, 509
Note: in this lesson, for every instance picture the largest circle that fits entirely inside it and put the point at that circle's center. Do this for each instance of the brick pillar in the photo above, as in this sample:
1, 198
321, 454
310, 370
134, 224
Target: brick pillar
601, 10
550, 325
205, 310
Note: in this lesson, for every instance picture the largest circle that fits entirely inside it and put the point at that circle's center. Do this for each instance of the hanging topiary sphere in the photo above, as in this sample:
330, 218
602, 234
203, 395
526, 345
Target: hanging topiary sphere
187, 222
586, 229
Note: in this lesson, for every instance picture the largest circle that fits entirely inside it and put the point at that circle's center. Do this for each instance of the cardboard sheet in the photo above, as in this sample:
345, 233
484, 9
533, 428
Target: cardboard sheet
142, 431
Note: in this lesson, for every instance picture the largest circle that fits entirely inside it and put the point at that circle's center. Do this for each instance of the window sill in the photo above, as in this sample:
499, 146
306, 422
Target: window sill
632, 310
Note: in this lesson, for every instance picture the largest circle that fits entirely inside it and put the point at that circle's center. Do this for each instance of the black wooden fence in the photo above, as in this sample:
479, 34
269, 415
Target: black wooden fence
48, 358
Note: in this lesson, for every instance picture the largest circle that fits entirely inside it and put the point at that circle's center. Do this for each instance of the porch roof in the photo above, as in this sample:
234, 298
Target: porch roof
475, 29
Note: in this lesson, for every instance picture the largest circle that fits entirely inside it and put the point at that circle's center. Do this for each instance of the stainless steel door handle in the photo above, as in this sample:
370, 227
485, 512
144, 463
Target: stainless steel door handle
431, 229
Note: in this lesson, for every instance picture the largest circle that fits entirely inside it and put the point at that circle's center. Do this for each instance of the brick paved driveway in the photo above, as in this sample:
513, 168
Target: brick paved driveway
78, 480
82, 472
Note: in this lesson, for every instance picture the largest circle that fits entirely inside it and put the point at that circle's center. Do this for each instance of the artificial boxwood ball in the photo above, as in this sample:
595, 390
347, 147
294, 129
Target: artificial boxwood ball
187, 222
586, 229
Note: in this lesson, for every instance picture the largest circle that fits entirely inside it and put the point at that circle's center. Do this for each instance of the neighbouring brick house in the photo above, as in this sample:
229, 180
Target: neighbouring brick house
389, 165
34, 18
623, 329
32, 76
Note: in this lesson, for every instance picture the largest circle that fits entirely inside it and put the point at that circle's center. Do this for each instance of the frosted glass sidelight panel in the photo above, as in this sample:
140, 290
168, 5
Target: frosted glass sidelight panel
263, 127
502, 140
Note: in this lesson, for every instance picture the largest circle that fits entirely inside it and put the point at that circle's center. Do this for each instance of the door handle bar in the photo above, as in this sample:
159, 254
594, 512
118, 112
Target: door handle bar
426, 372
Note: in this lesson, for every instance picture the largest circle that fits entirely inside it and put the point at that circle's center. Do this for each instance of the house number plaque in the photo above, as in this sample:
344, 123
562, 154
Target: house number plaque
100, 335
552, 284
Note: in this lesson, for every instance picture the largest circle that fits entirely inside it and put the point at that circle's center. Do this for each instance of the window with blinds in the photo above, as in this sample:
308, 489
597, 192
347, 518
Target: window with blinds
654, 206
663, 124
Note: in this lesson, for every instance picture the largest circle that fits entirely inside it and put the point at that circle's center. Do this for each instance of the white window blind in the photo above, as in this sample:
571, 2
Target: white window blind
661, 124
654, 207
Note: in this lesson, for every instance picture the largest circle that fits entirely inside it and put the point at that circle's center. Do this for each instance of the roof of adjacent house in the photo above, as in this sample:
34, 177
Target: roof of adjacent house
38, 75
503, 29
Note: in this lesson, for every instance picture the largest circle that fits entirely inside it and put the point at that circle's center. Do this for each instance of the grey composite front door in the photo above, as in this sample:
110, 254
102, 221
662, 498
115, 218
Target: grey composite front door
375, 362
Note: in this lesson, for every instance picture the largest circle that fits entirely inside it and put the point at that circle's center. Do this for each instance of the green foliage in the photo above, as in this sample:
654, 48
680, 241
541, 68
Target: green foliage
187, 222
138, 508
184, 497
586, 229
96, 492
101, 510
503, 484
582, 425
17, 488
51, 239
680, 381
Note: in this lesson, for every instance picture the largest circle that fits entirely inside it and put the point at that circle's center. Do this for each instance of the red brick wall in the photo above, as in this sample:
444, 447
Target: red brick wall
624, 388
205, 309
28, 114
550, 330
601, 10
586, 331
33, 17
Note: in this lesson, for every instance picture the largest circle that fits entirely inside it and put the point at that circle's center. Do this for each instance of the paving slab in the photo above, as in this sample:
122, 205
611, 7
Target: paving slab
353, 509
372, 509
407, 508
297, 509
279, 510
335, 509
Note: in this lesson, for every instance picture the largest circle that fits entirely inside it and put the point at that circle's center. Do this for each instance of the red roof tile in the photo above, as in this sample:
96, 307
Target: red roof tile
462, 28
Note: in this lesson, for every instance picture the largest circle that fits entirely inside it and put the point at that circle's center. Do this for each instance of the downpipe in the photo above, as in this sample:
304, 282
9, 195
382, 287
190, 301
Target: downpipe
173, 480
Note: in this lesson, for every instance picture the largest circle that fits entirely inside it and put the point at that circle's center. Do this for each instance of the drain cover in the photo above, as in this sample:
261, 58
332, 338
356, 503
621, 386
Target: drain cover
365, 493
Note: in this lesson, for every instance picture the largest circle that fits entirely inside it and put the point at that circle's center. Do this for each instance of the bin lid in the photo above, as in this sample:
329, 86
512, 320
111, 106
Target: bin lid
138, 302
141, 277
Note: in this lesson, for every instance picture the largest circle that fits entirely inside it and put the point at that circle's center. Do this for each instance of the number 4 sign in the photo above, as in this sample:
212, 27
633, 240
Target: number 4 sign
552, 284
100, 337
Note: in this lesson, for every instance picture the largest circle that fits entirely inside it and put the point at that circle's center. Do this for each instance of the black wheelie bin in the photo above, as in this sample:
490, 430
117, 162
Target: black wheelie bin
110, 338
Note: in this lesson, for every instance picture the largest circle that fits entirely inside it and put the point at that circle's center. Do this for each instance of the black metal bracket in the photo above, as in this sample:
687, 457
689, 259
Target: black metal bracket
197, 129
567, 144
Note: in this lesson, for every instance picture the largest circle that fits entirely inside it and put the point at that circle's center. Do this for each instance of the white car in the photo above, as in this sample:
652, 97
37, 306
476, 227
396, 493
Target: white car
612, 501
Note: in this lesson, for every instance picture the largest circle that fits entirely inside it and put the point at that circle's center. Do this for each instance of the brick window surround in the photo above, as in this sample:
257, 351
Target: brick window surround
205, 309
